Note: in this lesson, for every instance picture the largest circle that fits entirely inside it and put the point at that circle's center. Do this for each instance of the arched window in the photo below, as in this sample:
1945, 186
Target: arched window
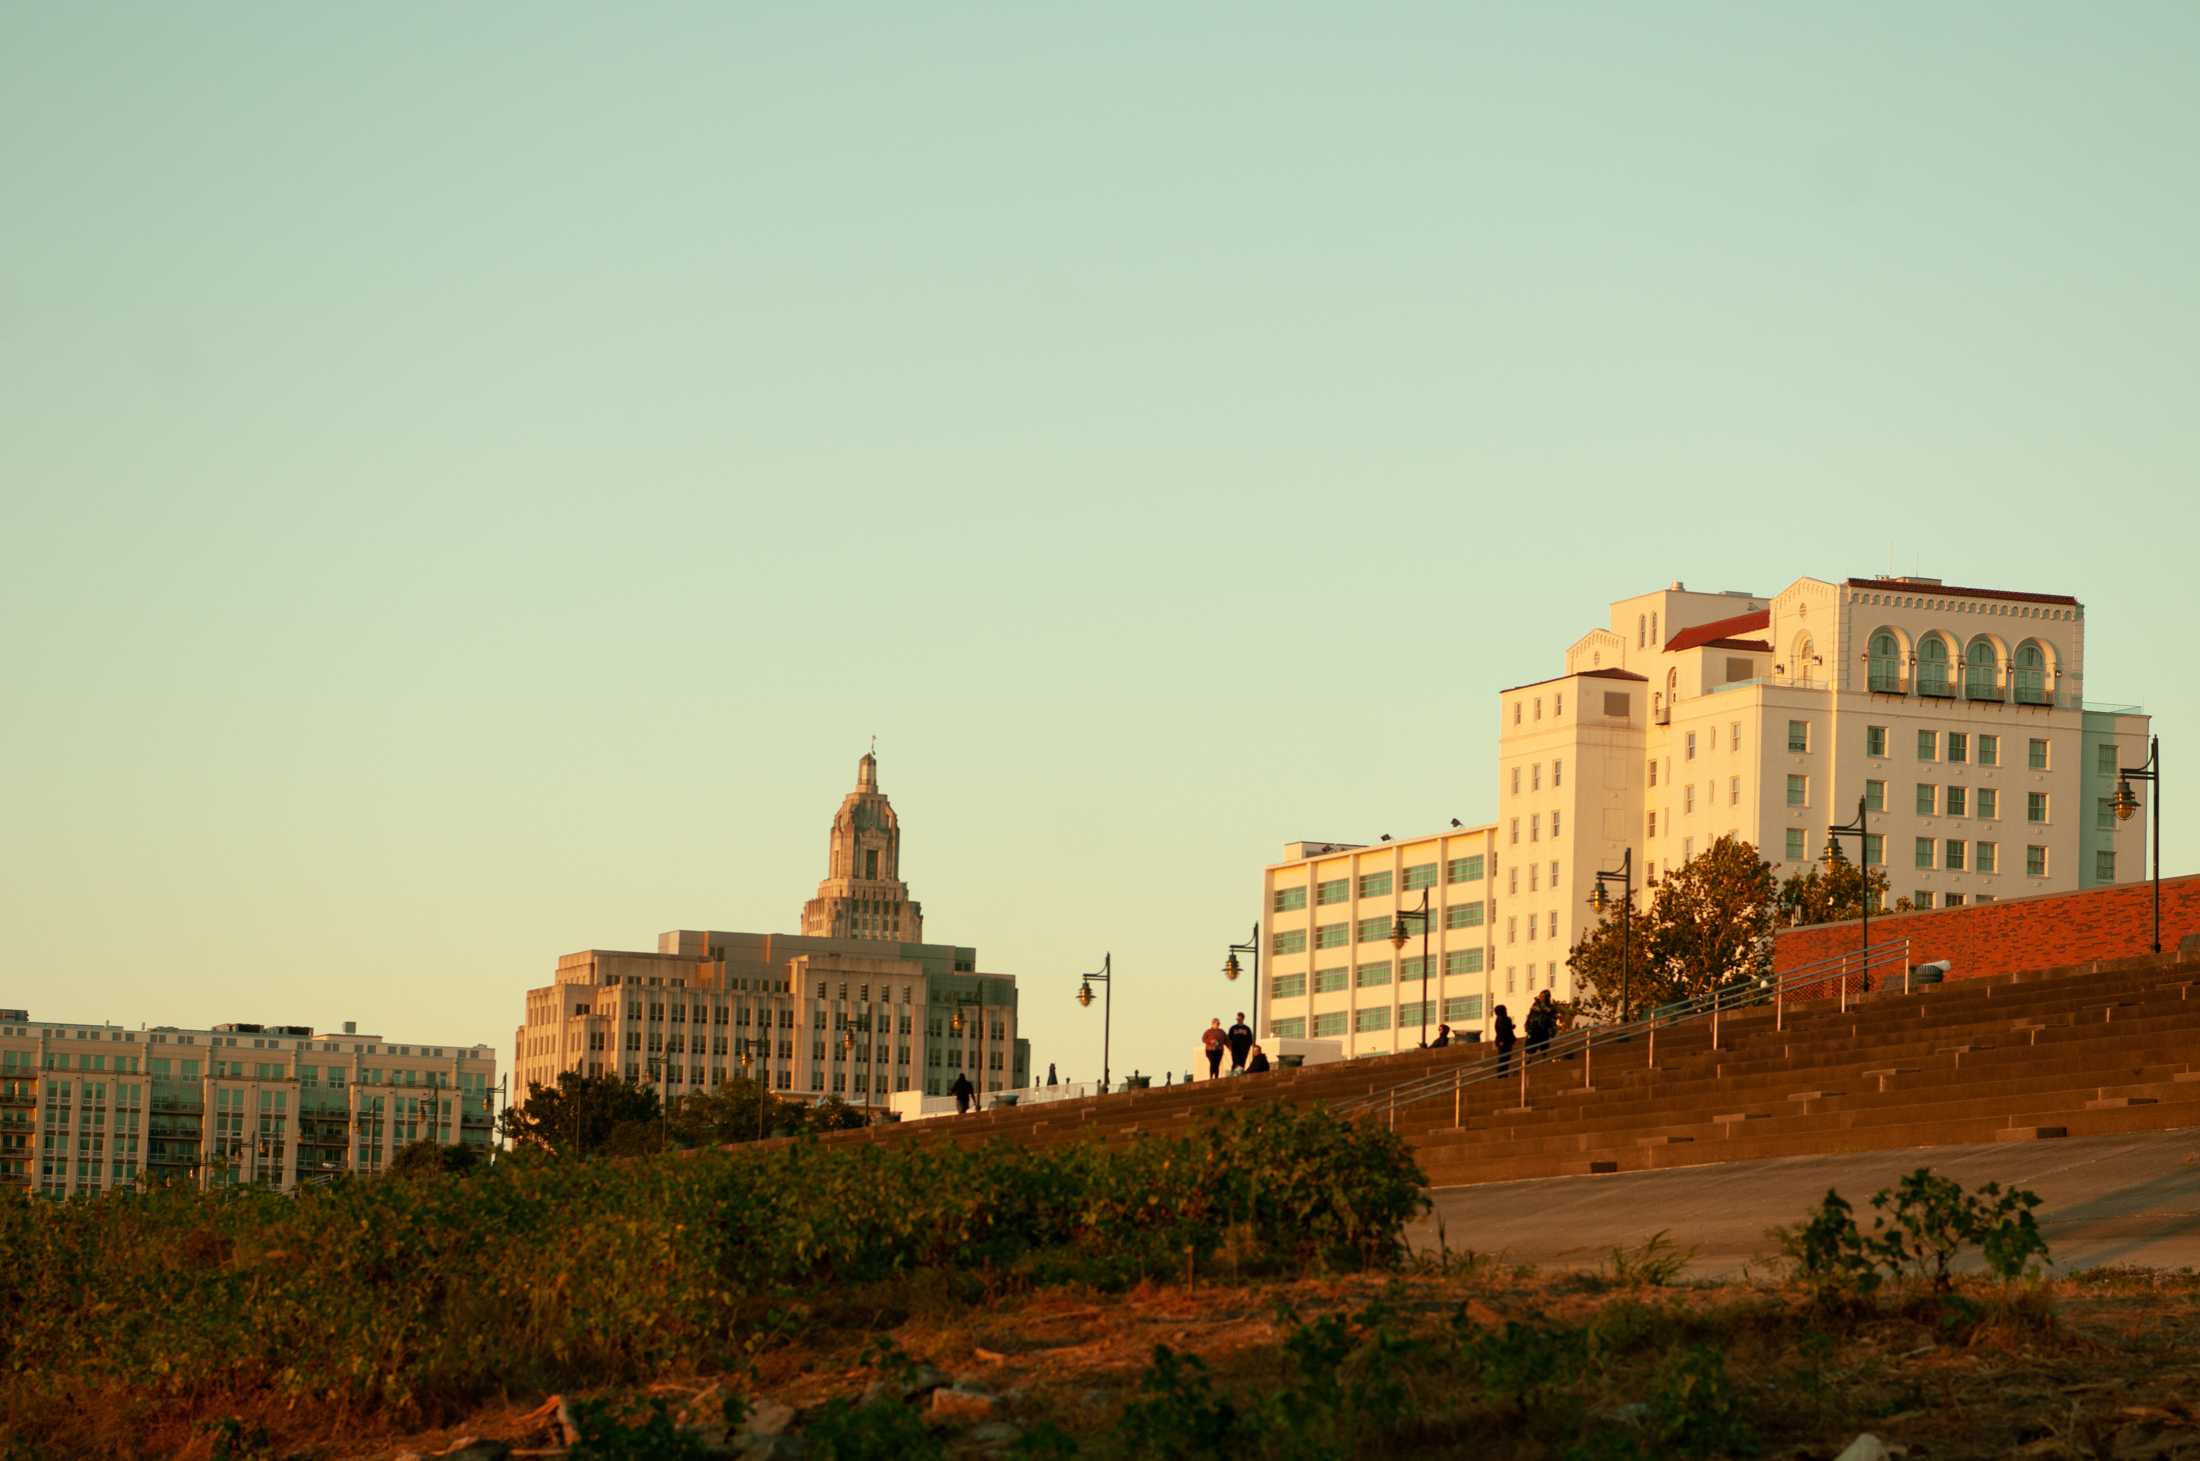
1981, 671
1932, 667
1886, 664
1805, 657
2031, 674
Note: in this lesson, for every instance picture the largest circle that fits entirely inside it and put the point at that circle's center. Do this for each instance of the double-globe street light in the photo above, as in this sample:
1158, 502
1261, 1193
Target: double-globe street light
2125, 802
1231, 969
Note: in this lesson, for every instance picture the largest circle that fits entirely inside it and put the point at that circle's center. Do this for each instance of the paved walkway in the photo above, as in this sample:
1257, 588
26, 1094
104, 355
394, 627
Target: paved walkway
2106, 1200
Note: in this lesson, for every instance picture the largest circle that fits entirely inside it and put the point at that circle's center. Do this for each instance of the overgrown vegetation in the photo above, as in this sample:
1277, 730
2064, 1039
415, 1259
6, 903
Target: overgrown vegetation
416, 1298
609, 1115
1925, 1224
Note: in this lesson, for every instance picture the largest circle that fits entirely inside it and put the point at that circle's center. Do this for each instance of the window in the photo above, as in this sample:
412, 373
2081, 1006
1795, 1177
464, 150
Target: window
1330, 981
2035, 862
1333, 1022
2104, 814
1798, 735
1924, 852
1332, 936
1374, 930
1959, 746
1986, 857
1558, 707
1989, 803
1653, 824
2031, 674
1653, 771
1368, 975
1420, 877
1734, 791
2035, 804
1535, 777
1690, 753
1932, 668
1516, 781
1928, 745
1288, 899
1463, 961
2105, 759
1951, 854
1287, 986
1875, 853
1885, 664
1371, 1019
1512, 833
1798, 791
1953, 900
1875, 795
1981, 671
1335, 890
1551, 929
1734, 736
1958, 797
1688, 797
1516, 712
2035, 754
1288, 941
1512, 878
1291, 1029
1989, 750
1463, 1007
1464, 915
1554, 824
2104, 867
1375, 885
1795, 852
1875, 740
1558, 771
1921, 899
1464, 869
1535, 826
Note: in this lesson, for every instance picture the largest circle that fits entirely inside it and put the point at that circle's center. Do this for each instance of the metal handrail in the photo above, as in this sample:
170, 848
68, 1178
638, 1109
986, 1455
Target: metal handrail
1737, 994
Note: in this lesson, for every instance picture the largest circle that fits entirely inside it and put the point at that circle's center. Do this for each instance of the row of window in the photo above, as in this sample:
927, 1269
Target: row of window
1986, 673
1373, 929
1378, 885
1535, 776
1460, 1009
1372, 974
1535, 827
1558, 708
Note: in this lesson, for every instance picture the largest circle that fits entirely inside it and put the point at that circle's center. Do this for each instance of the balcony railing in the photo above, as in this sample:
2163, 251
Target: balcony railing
2033, 695
1982, 690
1886, 682
1936, 689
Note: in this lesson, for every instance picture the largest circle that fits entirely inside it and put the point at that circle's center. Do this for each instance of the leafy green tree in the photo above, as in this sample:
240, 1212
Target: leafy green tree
585, 1115
1819, 896
1709, 922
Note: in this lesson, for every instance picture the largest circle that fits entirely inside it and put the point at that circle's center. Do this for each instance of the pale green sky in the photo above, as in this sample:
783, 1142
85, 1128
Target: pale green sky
473, 477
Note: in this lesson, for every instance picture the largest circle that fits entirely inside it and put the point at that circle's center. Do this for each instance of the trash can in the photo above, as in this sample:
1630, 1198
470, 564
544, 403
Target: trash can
1924, 976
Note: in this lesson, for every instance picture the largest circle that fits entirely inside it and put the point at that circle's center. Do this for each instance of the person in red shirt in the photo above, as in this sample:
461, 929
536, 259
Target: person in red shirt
1213, 1041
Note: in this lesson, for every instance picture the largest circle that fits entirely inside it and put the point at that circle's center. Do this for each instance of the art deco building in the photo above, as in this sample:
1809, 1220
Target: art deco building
855, 1006
1956, 715
94, 1108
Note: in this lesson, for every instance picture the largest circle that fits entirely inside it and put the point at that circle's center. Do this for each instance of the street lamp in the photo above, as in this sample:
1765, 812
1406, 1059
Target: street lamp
1398, 942
957, 1025
870, 1053
1624, 875
2124, 803
1860, 829
1106, 976
1231, 969
762, 1049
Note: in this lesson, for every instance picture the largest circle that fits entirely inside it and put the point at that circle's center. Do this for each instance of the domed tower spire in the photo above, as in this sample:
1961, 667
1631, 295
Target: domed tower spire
862, 895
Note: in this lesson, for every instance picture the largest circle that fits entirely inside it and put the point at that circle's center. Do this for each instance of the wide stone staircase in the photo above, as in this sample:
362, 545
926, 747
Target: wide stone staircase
2024, 1057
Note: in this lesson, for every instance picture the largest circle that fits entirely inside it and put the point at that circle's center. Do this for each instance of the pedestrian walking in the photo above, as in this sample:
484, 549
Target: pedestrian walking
1443, 1037
1240, 1036
1505, 1040
1258, 1065
1050, 1072
1213, 1040
962, 1091
1542, 1023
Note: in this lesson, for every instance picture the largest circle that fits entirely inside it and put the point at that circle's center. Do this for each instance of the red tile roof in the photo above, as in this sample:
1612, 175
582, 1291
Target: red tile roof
1913, 586
1704, 634
1760, 645
1583, 674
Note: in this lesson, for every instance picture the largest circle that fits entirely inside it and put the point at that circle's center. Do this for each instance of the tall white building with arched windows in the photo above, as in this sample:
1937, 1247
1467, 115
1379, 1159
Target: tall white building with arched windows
1958, 716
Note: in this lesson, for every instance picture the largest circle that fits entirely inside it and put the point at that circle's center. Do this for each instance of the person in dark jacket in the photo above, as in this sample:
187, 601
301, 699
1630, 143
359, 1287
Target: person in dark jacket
1505, 1040
1050, 1072
1240, 1036
1542, 1023
1443, 1037
1258, 1065
962, 1091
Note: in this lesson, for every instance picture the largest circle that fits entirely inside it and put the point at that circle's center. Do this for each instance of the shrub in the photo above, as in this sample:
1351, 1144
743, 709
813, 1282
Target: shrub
1693, 1407
1927, 1220
1829, 1256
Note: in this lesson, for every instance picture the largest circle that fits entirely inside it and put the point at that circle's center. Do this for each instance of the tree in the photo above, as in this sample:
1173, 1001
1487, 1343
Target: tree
1709, 923
1817, 896
584, 1115
420, 1158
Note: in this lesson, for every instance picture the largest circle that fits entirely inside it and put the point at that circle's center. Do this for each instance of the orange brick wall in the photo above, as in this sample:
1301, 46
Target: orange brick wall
2044, 932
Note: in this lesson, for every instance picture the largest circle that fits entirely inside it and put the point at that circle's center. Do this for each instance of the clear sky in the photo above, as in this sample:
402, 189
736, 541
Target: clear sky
473, 477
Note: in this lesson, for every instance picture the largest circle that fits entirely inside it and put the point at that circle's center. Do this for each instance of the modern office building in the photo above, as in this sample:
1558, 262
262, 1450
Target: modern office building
1956, 715
856, 1006
93, 1108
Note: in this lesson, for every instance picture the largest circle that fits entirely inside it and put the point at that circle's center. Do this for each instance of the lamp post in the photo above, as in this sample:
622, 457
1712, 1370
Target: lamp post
762, 1049
2124, 803
958, 1024
1398, 942
870, 1054
1231, 969
1860, 829
1106, 976
1624, 875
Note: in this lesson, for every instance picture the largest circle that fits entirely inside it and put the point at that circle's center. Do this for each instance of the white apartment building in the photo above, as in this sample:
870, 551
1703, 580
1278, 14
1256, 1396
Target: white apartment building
1957, 715
96, 1108
1328, 911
